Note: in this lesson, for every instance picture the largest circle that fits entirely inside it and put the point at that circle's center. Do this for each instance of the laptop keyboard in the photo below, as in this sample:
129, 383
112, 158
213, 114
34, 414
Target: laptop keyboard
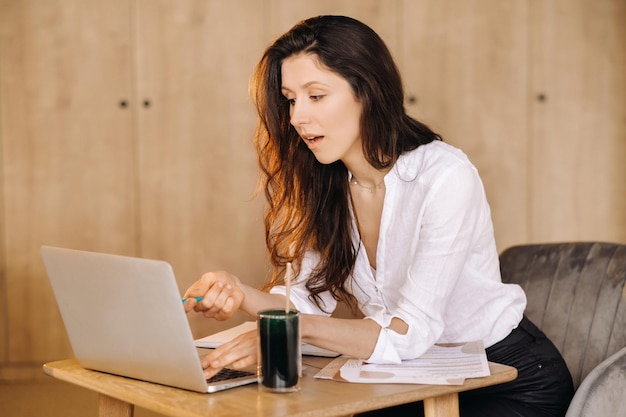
226, 373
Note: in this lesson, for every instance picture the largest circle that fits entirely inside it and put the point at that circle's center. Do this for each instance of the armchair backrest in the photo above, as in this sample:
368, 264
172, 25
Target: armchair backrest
576, 295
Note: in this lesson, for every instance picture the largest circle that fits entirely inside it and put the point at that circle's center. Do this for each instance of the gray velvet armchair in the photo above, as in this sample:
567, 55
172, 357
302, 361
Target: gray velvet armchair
576, 295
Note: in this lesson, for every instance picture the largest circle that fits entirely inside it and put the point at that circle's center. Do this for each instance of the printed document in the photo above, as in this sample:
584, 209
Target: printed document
447, 364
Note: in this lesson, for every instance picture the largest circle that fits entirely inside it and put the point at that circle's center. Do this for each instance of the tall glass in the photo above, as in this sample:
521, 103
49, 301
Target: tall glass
281, 359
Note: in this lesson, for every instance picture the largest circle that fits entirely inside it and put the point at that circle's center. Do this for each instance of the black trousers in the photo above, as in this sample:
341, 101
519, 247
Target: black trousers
543, 387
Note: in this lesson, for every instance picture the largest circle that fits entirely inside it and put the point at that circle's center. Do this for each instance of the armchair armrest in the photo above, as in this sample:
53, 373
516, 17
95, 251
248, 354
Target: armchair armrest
603, 391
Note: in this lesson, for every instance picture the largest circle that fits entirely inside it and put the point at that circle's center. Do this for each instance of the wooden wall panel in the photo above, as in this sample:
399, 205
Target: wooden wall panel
4, 331
72, 160
66, 152
578, 114
464, 64
197, 164
281, 15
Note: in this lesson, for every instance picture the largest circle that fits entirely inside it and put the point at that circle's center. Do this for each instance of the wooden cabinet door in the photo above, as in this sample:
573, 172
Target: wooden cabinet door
577, 134
197, 168
66, 155
465, 71
534, 93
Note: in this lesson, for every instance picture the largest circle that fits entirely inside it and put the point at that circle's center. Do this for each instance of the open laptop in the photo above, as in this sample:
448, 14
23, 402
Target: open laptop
124, 316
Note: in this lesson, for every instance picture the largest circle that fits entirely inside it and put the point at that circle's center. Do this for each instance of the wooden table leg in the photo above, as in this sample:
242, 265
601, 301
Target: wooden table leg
442, 406
112, 407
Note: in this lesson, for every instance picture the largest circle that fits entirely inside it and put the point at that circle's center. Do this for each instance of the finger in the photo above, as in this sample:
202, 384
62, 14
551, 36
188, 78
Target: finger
223, 302
219, 299
210, 372
231, 304
215, 359
227, 311
245, 362
202, 286
245, 352
210, 296
236, 359
241, 351
221, 293
191, 297
198, 288
189, 304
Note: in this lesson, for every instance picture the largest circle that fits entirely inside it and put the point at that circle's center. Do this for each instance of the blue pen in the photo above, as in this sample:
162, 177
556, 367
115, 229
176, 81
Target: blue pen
194, 298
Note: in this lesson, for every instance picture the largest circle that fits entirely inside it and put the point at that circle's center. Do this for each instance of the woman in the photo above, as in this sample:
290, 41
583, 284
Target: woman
374, 209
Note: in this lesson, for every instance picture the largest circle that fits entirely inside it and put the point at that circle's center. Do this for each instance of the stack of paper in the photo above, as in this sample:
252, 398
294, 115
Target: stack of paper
440, 365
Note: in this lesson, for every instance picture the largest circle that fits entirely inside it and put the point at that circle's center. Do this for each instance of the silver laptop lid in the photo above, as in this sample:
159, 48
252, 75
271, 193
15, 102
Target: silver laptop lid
124, 316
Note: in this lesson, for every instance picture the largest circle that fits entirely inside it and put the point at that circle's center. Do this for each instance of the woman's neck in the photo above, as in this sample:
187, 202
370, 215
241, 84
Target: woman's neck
364, 174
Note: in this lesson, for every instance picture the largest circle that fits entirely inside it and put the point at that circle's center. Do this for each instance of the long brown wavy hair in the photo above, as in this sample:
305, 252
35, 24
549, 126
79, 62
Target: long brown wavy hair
308, 202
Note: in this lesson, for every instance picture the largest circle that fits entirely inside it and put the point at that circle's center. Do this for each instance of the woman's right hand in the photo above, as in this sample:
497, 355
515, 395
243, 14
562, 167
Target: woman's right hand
240, 352
221, 295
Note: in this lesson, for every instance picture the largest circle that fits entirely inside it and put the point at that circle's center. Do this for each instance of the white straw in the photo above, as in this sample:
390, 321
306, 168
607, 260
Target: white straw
288, 277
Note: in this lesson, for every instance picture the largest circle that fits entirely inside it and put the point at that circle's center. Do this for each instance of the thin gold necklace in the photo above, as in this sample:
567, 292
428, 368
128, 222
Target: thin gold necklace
370, 189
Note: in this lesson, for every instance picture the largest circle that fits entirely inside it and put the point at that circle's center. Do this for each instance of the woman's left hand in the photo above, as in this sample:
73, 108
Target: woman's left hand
240, 352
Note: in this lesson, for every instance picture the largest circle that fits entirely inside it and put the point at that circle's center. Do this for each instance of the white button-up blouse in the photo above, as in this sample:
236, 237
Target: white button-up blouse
436, 264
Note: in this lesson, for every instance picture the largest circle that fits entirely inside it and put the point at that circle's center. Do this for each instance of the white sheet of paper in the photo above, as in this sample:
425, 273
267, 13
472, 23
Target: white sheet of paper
440, 365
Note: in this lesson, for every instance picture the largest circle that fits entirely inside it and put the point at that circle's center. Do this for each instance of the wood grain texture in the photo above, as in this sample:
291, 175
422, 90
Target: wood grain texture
577, 134
382, 16
576, 295
465, 70
111, 407
197, 168
323, 398
443, 406
67, 155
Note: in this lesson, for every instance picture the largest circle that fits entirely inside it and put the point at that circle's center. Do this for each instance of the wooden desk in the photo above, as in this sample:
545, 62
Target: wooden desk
316, 398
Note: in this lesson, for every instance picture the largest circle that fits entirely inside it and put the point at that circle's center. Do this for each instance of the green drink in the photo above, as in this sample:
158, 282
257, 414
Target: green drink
279, 335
